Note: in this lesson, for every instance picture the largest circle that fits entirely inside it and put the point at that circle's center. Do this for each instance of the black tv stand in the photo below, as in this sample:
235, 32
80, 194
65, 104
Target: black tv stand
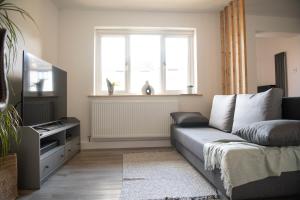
44, 148
60, 122
49, 126
42, 128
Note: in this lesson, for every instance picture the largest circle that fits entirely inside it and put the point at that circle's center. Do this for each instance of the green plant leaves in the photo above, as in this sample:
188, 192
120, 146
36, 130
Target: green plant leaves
13, 31
9, 119
9, 123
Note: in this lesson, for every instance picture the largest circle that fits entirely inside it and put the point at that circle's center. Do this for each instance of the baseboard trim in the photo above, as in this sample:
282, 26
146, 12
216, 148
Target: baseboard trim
125, 144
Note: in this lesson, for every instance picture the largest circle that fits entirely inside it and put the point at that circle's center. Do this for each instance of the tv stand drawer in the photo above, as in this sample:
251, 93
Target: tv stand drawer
76, 144
68, 151
52, 162
72, 147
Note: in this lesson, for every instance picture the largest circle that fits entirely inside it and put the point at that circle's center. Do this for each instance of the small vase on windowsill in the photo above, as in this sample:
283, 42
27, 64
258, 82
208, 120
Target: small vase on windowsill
190, 89
111, 91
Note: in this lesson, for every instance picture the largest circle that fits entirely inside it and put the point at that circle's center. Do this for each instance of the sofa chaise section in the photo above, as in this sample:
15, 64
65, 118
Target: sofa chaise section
195, 138
285, 185
190, 141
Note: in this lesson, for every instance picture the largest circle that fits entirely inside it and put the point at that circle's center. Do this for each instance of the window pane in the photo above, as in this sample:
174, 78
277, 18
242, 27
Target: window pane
145, 62
176, 63
113, 61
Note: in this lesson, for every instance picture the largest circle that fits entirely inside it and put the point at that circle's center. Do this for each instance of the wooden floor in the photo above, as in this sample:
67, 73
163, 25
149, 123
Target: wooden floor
90, 175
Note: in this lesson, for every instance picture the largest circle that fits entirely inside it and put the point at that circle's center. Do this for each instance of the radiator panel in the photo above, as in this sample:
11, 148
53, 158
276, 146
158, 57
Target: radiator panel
131, 119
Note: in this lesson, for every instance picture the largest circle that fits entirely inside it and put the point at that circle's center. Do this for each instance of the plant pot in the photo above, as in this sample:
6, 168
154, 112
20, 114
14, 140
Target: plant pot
8, 177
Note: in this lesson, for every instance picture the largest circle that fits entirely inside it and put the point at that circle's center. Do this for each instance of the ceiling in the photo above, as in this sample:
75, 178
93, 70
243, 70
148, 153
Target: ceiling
280, 8
144, 5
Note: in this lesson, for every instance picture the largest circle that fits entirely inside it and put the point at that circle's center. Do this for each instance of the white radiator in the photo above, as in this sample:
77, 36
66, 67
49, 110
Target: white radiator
131, 119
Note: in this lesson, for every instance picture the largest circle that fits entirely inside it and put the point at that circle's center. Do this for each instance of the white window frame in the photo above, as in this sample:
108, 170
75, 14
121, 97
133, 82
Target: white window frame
164, 33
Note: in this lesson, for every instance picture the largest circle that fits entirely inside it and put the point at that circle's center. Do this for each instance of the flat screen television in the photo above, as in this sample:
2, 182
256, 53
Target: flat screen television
44, 91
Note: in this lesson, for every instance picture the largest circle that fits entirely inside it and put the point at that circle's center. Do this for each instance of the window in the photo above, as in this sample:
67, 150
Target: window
131, 57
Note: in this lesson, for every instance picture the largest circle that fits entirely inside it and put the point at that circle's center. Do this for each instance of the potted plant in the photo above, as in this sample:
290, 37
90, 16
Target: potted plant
9, 118
110, 87
9, 122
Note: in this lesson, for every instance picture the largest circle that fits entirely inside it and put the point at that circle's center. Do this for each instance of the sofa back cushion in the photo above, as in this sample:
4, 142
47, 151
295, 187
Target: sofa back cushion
258, 107
222, 111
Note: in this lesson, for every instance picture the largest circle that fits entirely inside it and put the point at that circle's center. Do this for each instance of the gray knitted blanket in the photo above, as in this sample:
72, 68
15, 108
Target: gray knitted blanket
242, 162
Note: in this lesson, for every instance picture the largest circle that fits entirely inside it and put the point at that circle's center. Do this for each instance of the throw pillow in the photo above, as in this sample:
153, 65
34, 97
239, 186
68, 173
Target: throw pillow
189, 119
272, 133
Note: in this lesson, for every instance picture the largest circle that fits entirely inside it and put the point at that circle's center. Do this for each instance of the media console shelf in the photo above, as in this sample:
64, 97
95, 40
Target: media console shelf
44, 149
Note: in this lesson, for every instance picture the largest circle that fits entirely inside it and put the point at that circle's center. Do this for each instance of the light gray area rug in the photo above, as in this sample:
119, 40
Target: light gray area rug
162, 175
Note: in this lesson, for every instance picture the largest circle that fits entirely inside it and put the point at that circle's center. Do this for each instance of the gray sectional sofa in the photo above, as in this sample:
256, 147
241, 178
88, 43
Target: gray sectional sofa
190, 140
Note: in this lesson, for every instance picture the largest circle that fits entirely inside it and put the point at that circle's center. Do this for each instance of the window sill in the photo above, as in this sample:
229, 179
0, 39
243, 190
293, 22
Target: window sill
141, 95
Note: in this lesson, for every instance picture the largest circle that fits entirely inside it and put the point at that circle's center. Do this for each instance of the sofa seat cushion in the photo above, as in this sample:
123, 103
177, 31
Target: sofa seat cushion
194, 138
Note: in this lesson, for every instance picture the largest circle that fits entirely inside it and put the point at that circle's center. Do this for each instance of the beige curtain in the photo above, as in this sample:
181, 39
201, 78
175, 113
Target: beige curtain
233, 45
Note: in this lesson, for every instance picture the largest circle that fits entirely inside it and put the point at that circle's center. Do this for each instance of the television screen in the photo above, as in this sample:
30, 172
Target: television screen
44, 94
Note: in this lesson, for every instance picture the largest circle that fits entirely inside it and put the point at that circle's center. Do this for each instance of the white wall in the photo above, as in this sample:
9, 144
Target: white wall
43, 39
40, 39
266, 48
255, 24
76, 55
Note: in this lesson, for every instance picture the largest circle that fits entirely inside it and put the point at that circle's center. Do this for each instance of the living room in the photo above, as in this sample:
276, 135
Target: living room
153, 99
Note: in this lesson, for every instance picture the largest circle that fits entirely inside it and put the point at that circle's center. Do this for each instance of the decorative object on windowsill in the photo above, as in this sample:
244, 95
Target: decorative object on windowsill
110, 87
147, 89
9, 117
190, 89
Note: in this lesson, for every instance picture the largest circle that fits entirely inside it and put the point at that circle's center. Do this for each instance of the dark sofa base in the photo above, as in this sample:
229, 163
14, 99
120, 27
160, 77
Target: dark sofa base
287, 184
